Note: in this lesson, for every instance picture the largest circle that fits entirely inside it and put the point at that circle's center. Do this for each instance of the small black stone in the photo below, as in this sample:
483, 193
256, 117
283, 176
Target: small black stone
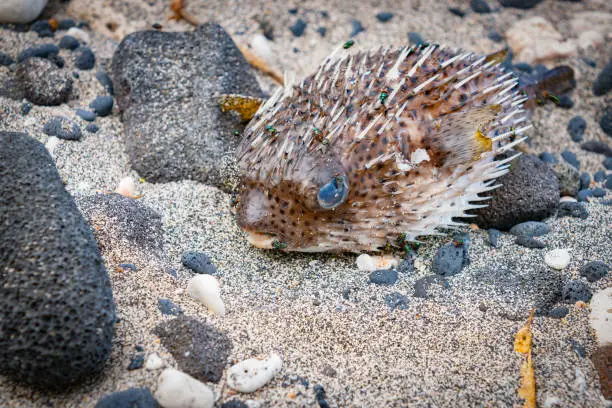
57, 60
415, 38
26, 108
494, 235
102, 105
606, 121
520, 4
548, 158
585, 180
42, 28
558, 312
136, 363
607, 163
298, 28
40, 51
86, 115
127, 267
608, 183
235, 403
565, 102
599, 176
384, 277
322, 30
5, 60
597, 146
66, 24
523, 67
480, 6
449, 259
457, 11
591, 63
384, 16
85, 58
396, 300
68, 42
92, 128
594, 270
199, 262
571, 158
529, 242
572, 209
139, 348
166, 307
75, 75
530, 229
293, 10
575, 290
130, 398
592, 192
63, 128
320, 396
495, 36
357, 27
603, 83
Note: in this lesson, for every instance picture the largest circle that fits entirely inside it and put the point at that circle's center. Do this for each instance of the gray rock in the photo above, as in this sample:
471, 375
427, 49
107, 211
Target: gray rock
68, 42
165, 85
396, 300
384, 277
130, 398
530, 229
421, 286
585, 180
63, 128
166, 307
597, 146
198, 348
572, 209
198, 262
576, 127
575, 290
603, 82
102, 105
569, 179
449, 260
529, 192
84, 58
106, 82
594, 271
86, 115
494, 235
43, 83
529, 242
57, 315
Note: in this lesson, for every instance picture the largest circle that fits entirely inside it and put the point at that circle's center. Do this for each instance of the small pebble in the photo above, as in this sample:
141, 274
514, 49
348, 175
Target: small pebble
396, 300
572, 209
598, 192
75, 75
415, 38
495, 36
557, 258
136, 363
524, 67
576, 127
597, 146
520, 4
480, 6
603, 82
5, 60
606, 122
298, 28
102, 105
176, 389
63, 128
608, 183
547, 158
79, 34
594, 270
571, 159
384, 16
449, 260
530, 229
42, 28
26, 107
529, 242
252, 374
585, 180
139, 348
494, 235
322, 30
130, 398
607, 163
92, 128
126, 187
457, 11
320, 396
293, 10
357, 28
384, 277
558, 312
153, 362
68, 42
205, 289
66, 24
235, 403
85, 59
198, 262
565, 102
599, 176
40, 51
166, 307
86, 115
576, 290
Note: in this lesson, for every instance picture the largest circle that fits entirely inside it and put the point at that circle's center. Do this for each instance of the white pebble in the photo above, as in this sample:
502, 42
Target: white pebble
205, 289
20, 11
557, 258
365, 263
79, 34
176, 389
567, 199
127, 187
369, 263
51, 144
261, 47
154, 362
601, 316
252, 374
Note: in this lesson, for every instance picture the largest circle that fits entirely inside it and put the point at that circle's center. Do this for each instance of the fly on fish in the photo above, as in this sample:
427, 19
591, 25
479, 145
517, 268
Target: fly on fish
378, 146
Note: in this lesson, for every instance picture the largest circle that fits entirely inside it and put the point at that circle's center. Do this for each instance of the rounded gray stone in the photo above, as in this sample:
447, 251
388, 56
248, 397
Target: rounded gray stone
42, 82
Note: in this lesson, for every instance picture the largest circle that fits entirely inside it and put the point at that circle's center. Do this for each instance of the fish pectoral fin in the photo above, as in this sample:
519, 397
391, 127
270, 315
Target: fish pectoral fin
245, 106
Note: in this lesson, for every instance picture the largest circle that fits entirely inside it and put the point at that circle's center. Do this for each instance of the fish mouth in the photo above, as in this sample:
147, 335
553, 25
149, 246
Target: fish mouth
261, 240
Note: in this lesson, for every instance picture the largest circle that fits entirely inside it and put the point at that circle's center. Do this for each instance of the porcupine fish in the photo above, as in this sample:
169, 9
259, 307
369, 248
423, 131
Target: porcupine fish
377, 147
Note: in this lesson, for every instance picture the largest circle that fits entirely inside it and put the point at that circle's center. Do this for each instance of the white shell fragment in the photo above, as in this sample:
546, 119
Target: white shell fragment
205, 289
127, 187
252, 374
369, 263
601, 316
51, 144
557, 258
154, 362
176, 389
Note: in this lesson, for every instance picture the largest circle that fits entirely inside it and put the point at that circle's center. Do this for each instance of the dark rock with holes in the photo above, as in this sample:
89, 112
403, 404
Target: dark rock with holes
569, 179
198, 348
530, 229
449, 259
396, 300
558, 312
576, 127
5, 59
164, 83
84, 58
594, 271
576, 290
597, 146
40, 51
384, 16
49, 258
297, 29
62, 127
605, 122
384, 277
68, 42
494, 235
571, 158
572, 209
106, 82
199, 262
480, 6
130, 398
42, 82
529, 242
529, 192
603, 82
520, 4
102, 105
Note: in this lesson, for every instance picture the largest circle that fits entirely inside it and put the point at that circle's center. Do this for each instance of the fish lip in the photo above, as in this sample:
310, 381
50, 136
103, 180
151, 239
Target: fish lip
260, 240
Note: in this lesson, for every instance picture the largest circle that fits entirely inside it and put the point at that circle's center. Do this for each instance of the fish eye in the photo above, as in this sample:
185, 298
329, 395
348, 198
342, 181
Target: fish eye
334, 193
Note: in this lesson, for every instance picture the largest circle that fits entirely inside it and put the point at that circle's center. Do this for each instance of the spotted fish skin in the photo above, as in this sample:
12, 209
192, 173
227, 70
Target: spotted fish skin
413, 132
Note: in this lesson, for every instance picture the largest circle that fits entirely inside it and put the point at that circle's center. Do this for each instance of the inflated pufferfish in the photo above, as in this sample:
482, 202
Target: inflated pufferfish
377, 147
